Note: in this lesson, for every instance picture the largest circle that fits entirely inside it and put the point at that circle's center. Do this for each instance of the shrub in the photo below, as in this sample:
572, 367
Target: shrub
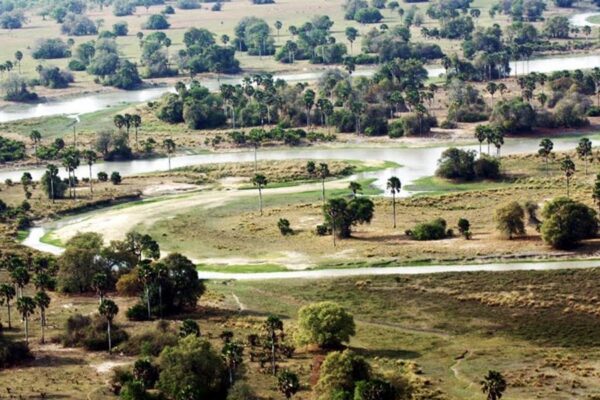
157, 22
120, 29
169, 10
322, 230
510, 220
188, 4
396, 129
149, 343
78, 25
368, 16
115, 178
49, 49
12, 352
339, 374
102, 176
418, 125
325, 324
464, 227
593, 111
90, 333
129, 284
122, 8
76, 65
137, 312
515, 115
487, 168
284, 227
434, 230
11, 150
567, 222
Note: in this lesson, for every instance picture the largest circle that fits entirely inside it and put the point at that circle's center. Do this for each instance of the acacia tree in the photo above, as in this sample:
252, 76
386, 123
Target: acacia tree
26, 306
567, 166
545, 150
493, 385
260, 181
394, 186
7, 292
109, 310
42, 300
584, 151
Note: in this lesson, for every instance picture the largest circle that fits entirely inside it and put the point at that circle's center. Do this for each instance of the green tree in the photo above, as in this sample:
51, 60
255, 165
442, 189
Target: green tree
394, 186
464, 227
325, 324
545, 150
109, 310
309, 102
7, 293
491, 88
278, 26
567, 222
584, 151
26, 307
100, 284
232, 353
42, 301
189, 327
90, 158
19, 58
351, 35
136, 121
20, 277
71, 161
493, 385
36, 138
510, 220
339, 373
567, 166
482, 132
355, 188
260, 181
341, 215
323, 173
288, 384
273, 324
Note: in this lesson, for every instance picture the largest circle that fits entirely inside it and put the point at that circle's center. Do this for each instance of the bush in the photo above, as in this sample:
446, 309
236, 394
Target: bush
322, 230
415, 125
120, 29
11, 150
76, 65
157, 22
122, 8
102, 176
396, 129
169, 10
78, 25
50, 48
510, 220
137, 312
90, 333
284, 227
487, 168
368, 16
115, 178
12, 352
515, 115
339, 374
567, 222
188, 4
434, 230
458, 164
324, 324
149, 343
448, 124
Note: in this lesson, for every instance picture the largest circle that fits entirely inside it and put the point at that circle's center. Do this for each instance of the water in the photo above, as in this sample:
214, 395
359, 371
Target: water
581, 19
87, 103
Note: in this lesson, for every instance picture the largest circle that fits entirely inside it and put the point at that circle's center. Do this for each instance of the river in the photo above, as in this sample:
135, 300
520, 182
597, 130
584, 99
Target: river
87, 103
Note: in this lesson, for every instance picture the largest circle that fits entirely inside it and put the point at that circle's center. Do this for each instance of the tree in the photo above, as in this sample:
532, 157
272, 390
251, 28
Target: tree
71, 161
136, 121
323, 173
189, 327
26, 307
100, 284
464, 227
109, 310
339, 373
325, 324
481, 134
278, 26
341, 215
493, 385
260, 181
52, 184
509, 219
146, 273
90, 158
232, 353
7, 293
355, 188
545, 150
584, 151
42, 301
351, 35
272, 325
567, 166
309, 102
20, 277
36, 138
491, 88
169, 146
192, 368
288, 384
567, 222
394, 185
596, 191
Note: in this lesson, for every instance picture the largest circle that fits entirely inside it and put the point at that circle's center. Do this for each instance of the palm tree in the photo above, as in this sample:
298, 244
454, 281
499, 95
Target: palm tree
272, 325
493, 385
502, 88
255, 138
161, 273
35, 137
109, 310
26, 306
545, 150
309, 102
42, 300
7, 292
351, 35
90, 157
20, 278
259, 181
278, 26
147, 276
19, 58
232, 353
354, 187
100, 285
119, 121
136, 121
567, 166
169, 146
52, 172
491, 88
394, 185
497, 140
481, 134
323, 173
71, 163
584, 151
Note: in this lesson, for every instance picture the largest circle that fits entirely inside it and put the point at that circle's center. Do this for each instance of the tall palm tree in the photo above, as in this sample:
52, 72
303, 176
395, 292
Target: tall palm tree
260, 181
278, 26
109, 310
7, 292
493, 385
567, 166
35, 137
119, 121
161, 273
497, 140
309, 102
481, 134
323, 173
19, 58
394, 186
20, 278
26, 306
147, 276
169, 145
491, 88
272, 325
545, 150
90, 158
584, 151
42, 301
100, 285
136, 121
52, 172
71, 162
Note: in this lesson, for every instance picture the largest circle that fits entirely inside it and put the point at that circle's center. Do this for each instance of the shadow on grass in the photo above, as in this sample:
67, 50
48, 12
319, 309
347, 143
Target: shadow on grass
387, 353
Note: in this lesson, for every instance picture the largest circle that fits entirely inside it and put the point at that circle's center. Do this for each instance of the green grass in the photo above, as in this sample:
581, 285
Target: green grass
594, 19
432, 184
242, 268
50, 239
22, 235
